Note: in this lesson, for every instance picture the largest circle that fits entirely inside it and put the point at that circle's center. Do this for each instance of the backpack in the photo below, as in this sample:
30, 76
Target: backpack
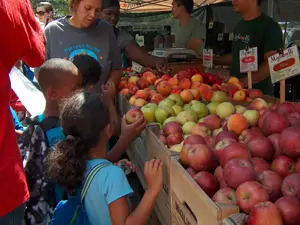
33, 147
72, 211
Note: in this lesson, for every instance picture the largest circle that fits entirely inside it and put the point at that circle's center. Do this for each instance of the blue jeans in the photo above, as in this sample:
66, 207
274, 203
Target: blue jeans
15, 217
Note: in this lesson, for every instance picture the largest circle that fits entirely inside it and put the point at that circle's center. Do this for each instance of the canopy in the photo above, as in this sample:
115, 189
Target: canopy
138, 6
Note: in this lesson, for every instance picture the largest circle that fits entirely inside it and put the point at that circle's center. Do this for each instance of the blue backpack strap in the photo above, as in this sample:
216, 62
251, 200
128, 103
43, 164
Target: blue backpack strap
85, 188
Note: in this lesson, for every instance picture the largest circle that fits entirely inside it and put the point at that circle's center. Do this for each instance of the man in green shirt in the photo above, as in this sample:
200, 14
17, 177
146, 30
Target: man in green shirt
189, 32
254, 30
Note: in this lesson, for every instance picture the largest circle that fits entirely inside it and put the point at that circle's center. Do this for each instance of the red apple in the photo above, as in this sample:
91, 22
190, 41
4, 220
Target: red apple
207, 182
291, 186
223, 184
133, 115
262, 117
255, 93
289, 208
226, 134
258, 104
274, 123
238, 171
265, 213
283, 165
174, 139
221, 145
234, 151
210, 142
285, 108
191, 171
250, 193
297, 166
274, 138
172, 128
194, 139
212, 122
294, 118
261, 147
199, 157
164, 88
219, 173
271, 181
260, 165
183, 155
289, 142
249, 134
201, 129
226, 196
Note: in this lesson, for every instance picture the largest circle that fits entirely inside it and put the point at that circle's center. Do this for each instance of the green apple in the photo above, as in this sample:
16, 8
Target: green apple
188, 127
252, 117
186, 116
177, 99
217, 131
161, 115
200, 109
212, 107
149, 112
201, 120
166, 102
240, 109
219, 96
168, 109
177, 109
225, 109
170, 119
187, 106
194, 102
177, 148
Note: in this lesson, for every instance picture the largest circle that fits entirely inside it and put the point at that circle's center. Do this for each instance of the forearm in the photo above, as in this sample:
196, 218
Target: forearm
140, 56
114, 118
262, 73
118, 150
142, 213
223, 60
115, 77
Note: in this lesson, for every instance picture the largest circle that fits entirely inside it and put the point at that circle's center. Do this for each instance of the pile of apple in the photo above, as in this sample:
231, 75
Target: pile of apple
190, 85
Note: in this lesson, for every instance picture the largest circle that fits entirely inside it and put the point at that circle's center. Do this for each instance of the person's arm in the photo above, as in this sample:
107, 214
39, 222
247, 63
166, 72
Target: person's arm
119, 209
224, 60
198, 36
115, 77
129, 132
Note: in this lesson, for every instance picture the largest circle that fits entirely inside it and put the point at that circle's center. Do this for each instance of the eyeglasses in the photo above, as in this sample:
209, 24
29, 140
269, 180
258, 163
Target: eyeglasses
40, 13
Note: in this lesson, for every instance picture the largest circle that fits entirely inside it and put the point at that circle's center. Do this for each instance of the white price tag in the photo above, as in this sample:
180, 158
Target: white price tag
211, 25
140, 40
208, 58
137, 67
220, 36
283, 66
248, 60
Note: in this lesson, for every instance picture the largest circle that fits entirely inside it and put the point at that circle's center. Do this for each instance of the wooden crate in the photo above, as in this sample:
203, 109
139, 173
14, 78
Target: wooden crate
190, 204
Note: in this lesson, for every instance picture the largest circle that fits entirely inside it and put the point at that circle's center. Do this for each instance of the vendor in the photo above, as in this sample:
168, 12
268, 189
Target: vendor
254, 30
189, 32
83, 33
45, 12
126, 43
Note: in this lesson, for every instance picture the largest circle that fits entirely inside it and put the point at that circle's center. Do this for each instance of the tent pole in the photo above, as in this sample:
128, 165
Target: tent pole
271, 8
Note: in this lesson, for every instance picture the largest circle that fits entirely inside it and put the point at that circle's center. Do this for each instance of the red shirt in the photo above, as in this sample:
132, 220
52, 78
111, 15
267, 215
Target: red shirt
20, 38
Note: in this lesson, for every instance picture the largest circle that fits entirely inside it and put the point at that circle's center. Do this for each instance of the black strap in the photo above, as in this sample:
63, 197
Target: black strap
49, 123
116, 31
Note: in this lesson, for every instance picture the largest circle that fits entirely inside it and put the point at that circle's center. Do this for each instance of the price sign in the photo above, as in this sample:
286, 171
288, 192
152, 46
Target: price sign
208, 58
285, 65
137, 67
248, 60
140, 40
220, 36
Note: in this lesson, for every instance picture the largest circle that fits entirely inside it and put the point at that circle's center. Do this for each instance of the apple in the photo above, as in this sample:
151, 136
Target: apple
216, 131
194, 102
170, 119
156, 98
285, 108
184, 83
223, 184
125, 92
240, 109
265, 213
166, 77
174, 139
211, 143
177, 109
271, 181
250, 193
283, 166
252, 117
274, 139
201, 129
260, 165
140, 102
172, 128
221, 145
149, 112
233, 80
294, 118
218, 173
225, 109
197, 78
186, 116
255, 93
212, 107
194, 140
176, 148
196, 93
133, 80
234, 151
173, 81
166, 103
200, 109
289, 209
212, 122
237, 123
274, 123
261, 147
227, 134
142, 83
199, 157
133, 115
207, 182
240, 96
161, 115
188, 127
187, 96
238, 171
247, 135
258, 104
225, 196
263, 116
177, 99
164, 88
289, 142
191, 171
291, 186
219, 96
297, 166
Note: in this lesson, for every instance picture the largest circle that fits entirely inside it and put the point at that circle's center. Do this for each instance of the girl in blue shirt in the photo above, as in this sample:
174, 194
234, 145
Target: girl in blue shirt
84, 148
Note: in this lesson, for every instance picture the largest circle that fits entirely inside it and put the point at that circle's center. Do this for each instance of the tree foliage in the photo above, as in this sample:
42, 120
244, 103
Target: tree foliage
60, 6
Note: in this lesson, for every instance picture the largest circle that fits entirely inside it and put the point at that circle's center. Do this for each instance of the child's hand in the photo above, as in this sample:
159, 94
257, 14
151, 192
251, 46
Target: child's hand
130, 132
153, 173
127, 164
109, 90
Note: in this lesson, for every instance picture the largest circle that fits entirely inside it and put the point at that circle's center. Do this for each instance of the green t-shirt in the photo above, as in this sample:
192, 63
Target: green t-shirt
193, 29
263, 33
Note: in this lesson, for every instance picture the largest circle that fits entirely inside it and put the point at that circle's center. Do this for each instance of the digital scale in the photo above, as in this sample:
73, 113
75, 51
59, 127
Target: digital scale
176, 54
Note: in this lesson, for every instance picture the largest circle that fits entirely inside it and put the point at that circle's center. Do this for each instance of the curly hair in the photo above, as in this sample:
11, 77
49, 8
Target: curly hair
83, 117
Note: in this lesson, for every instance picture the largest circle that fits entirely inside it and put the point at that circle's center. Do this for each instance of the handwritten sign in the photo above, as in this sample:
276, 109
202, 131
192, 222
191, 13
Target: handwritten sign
208, 58
248, 60
285, 65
